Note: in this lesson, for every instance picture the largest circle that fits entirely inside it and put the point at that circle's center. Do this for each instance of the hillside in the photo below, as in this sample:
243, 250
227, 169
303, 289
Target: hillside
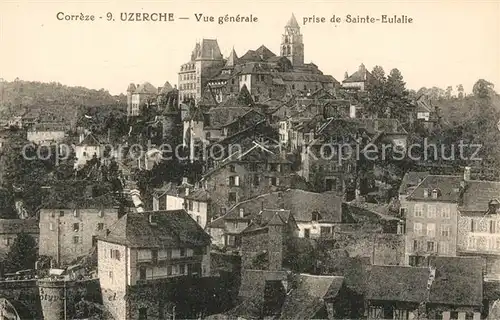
458, 111
52, 100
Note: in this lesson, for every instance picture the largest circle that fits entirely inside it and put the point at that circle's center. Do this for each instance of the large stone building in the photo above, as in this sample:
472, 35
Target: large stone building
69, 230
431, 218
137, 96
143, 250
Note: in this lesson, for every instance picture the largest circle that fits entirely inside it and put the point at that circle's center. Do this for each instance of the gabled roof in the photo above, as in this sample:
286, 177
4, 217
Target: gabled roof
478, 194
300, 203
147, 88
458, 281
361, 75
264, 52
411, 179
309, 296
448, 186
221, 116
198, 195
171, 228
90, 140
167, 87
269, 217
397, 283
131, 87
207, 49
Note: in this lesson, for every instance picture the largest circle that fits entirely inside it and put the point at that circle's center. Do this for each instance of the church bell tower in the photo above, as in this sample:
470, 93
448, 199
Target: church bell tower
292, 46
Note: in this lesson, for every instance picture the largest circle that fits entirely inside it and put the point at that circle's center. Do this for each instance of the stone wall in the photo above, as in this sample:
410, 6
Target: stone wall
25, 293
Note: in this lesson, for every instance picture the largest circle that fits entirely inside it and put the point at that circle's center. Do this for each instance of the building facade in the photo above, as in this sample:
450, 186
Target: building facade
148, 248
431, 212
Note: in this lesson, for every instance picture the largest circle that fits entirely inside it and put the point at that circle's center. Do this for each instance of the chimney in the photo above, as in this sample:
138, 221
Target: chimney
467, 173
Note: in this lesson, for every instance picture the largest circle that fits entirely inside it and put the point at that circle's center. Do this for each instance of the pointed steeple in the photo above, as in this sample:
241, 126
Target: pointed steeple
292, 23
232, 60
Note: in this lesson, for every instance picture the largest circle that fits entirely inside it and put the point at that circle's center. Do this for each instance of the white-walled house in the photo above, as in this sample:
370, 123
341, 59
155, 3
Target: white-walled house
88, 148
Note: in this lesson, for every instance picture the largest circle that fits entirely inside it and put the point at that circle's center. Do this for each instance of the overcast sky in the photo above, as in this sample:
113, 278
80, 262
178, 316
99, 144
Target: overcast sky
449, 43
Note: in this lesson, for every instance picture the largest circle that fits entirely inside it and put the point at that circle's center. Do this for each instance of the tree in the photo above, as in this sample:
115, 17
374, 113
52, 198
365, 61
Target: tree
449, 91
23, 253
397, 94
460, 90
482, 88
377, 99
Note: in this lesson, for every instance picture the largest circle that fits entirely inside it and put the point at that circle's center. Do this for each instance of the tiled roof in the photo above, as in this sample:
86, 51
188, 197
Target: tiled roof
458, 281
199, 195
15, 226
269, 217
207, 49
411, 179
396, 283
261, 54
131, 87
90, 140
146, 87
221, 116
264, 52
167, 87
448, 187
309, 296
232, 60
353, 269
300, 203
172, 228
478, 194
361, 75
305, 77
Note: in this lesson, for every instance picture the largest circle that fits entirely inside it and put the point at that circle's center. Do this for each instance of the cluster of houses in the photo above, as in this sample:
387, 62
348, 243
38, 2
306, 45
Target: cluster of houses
434, 252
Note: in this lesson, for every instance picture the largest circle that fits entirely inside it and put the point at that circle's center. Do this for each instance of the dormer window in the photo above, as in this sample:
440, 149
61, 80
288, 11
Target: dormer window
435, 193
426, 193
315, 216
493, 206
242, 212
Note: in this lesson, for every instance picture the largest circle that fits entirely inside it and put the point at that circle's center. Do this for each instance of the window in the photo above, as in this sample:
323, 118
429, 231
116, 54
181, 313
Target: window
415, 245
256, 180
232, 168
493, 225
76, 227
444, 247
445, 212
430, 246
154, 255
169, 270
325, 230
76, 239
51, 226
143, 314
417, 228
431, 230
115, 254
434, 194
197, 206
53, 214
273, 181
232, 197
471, 243
190, 205
182, 269
307, 233
76, 213
101, 214
110, 275
198, 220
100, 226
445, 230
431, 211
402, 211
61, 213
142, 273
183, 252
418, 210
472, 225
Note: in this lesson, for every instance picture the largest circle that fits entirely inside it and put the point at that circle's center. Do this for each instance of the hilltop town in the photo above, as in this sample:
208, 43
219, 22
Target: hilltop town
253, 186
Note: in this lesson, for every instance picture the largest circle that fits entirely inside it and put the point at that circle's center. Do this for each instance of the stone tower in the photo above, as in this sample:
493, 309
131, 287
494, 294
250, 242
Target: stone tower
292, 46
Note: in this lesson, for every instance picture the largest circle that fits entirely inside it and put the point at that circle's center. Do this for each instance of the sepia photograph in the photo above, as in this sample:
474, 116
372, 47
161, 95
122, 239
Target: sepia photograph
237, 160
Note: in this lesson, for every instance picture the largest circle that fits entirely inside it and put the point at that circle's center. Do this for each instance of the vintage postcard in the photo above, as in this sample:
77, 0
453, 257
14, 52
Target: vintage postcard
249, 160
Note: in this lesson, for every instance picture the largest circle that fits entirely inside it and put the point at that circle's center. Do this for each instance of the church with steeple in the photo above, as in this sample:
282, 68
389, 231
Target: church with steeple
292, 46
